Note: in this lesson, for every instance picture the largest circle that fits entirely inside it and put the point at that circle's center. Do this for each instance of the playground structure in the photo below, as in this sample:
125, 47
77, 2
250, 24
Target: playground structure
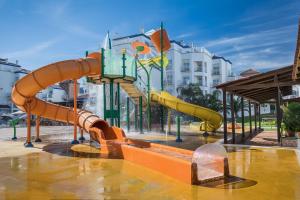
117, 71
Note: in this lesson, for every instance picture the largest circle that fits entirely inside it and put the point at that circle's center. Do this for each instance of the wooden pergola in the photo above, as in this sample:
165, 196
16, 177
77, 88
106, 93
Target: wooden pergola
261, 88
296, 69
257, 89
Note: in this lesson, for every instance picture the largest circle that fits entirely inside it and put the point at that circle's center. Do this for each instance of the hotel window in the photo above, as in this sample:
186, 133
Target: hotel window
186, 66
199, 80
185, 80
170, 65
169, 79
216, 82
205, 83
199, 66
216, 69
205, 67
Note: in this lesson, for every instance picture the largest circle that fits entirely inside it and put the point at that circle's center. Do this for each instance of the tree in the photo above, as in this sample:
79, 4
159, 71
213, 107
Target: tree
192, 93
237, 105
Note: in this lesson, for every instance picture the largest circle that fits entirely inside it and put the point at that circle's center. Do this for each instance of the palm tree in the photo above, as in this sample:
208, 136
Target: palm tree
237, 105
192, 93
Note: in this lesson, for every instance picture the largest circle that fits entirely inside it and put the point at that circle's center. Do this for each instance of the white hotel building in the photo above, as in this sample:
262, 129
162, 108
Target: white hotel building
9, 74
187, 64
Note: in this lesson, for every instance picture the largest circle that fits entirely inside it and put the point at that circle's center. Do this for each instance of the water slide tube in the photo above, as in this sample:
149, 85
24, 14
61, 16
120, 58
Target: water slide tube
212, 118
25, 90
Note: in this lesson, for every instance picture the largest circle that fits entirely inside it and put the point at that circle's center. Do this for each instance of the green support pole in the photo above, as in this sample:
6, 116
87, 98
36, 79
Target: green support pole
148, 101
111, 101
119, 106
123, 61
104, 101
141, 113
15, 130
86, 53
161, 75
161, 57
136, 117
178, 139
127, 114
148, 95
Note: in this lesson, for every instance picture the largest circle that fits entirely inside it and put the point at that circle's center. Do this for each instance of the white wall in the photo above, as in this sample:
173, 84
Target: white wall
8, 77
178, 55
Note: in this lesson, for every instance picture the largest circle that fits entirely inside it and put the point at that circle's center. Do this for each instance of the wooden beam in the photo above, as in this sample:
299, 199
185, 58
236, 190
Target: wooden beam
263, 96
256, 92
278, 115
257, 78
255, 117
247, 92
262, 85
250, 120
225, 116
232, 118
243, 118
259, 117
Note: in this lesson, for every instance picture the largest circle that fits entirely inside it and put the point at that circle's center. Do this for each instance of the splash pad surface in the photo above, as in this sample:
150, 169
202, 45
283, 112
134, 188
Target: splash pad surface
268, 173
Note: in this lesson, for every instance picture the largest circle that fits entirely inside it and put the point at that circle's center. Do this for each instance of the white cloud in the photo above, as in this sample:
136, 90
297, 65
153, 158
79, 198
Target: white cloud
30, 51
270, 34
261, 49
82, 31
259, 15
185, 35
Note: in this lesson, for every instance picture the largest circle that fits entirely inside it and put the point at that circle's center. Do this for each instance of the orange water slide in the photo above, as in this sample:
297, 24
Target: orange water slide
171, 161
25, 90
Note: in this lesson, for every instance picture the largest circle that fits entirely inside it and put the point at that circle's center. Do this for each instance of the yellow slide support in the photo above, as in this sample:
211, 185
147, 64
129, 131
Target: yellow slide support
212, 118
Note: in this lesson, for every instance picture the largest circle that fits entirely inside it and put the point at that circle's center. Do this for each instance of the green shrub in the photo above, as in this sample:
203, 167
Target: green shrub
291, 117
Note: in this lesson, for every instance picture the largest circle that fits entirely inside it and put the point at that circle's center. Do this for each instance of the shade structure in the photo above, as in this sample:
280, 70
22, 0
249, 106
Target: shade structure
296, 68
262, 87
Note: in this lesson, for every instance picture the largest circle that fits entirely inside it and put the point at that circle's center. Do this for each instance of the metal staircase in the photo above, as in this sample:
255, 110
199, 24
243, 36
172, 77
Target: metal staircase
134, 90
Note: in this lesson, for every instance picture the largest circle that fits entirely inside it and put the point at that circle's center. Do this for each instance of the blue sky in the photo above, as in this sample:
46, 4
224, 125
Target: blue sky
259, 34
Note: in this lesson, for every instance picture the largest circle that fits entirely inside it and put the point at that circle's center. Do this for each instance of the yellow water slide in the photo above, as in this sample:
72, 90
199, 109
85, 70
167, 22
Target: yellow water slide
25, 90
211, 120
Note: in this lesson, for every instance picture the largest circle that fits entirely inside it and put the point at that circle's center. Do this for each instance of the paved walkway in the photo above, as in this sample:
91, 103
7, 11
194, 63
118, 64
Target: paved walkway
269, 138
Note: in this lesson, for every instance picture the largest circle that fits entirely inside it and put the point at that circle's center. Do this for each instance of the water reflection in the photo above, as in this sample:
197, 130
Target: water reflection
61, 174
231, 182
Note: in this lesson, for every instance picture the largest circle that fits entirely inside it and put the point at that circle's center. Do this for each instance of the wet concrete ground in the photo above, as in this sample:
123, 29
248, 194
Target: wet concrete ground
51, 170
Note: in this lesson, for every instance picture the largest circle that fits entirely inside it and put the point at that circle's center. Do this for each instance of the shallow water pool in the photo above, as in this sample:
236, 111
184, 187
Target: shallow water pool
259, 173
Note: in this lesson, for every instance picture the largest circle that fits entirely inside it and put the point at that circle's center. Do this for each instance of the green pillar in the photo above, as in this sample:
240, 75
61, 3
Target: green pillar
136, 117
161, 76
123, 63
141, 113
119, 105
148, 101
111, 101
15, 130
127, 114
178, 139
